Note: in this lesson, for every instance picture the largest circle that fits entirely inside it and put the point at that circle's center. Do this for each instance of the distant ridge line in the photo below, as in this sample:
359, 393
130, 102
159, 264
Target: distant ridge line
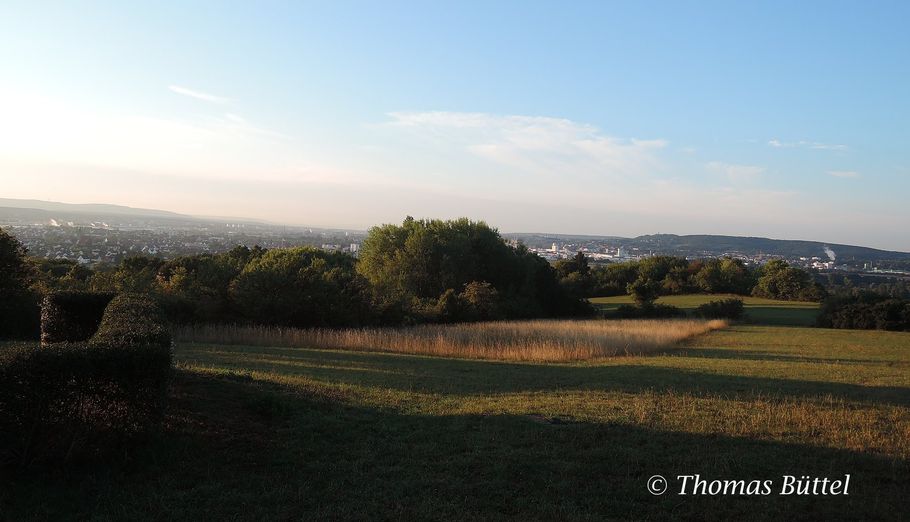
668, 243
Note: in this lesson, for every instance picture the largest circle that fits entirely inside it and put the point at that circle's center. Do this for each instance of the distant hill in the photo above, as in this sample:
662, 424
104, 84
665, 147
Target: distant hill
87, 208
761, 245
688, 245
32, 211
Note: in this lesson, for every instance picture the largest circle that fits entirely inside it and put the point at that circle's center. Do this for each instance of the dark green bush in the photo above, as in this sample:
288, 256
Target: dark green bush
18, 304
647, 311
731, 308
63, 397
866, 311
450, 308
20, 317
72, 316
301, 287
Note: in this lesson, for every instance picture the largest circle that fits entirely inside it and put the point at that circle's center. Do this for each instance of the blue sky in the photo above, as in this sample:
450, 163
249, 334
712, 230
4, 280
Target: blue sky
781, 119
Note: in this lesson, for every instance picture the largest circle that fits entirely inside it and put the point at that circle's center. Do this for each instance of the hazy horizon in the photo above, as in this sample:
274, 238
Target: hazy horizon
597, 119
502, 231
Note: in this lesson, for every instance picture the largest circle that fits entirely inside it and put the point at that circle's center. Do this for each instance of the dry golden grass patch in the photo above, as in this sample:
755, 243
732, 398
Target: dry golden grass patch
540, 340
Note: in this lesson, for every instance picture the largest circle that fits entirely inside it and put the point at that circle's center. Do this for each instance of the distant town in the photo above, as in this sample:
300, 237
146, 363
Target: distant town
612, 251
105, 234
97, 243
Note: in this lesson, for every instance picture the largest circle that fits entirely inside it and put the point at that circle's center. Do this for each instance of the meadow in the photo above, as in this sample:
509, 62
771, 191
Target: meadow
758, 309
541, 340
275, 432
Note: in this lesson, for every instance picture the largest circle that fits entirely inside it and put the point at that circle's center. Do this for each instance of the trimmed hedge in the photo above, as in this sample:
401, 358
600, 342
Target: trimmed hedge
72, 316
731, 308
61, 397
866, 312
132, 319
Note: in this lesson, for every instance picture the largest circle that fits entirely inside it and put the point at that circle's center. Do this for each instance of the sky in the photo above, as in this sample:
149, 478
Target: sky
777, 119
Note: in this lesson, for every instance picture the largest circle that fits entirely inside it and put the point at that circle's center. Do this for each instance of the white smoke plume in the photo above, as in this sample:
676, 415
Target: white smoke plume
831, 255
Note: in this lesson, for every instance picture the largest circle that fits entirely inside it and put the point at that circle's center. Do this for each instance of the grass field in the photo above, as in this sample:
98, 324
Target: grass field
541, 340
758, 309
276, 433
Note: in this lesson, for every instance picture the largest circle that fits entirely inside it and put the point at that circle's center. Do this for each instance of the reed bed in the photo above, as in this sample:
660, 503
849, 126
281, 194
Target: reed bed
540, 340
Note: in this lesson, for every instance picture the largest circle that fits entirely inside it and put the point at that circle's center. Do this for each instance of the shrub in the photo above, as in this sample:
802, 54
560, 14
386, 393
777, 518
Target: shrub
481, 301
56, 398
72, 316
731, 308
301, 287
644, 291
450, 307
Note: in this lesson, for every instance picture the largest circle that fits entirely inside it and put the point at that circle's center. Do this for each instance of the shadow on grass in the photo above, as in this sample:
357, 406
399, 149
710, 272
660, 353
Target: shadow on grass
476, 377
757, 355
775, 315
246, 450
768, 315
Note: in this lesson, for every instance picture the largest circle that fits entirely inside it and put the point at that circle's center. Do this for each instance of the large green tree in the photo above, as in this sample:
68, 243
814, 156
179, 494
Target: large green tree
414, 264
423, 258
779, 280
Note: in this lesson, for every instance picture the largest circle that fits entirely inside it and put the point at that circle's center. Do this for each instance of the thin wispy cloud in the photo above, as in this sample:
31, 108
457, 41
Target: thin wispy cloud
595, 173
843, 174
199, 95
803, 144
736, 172
536, 144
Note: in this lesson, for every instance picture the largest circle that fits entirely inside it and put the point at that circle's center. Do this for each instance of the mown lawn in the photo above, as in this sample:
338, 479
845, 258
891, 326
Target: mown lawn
296, 434
758, 309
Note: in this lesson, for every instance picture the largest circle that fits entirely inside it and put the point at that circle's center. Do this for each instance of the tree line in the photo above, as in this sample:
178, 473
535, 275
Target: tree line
418, 271
652, 277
